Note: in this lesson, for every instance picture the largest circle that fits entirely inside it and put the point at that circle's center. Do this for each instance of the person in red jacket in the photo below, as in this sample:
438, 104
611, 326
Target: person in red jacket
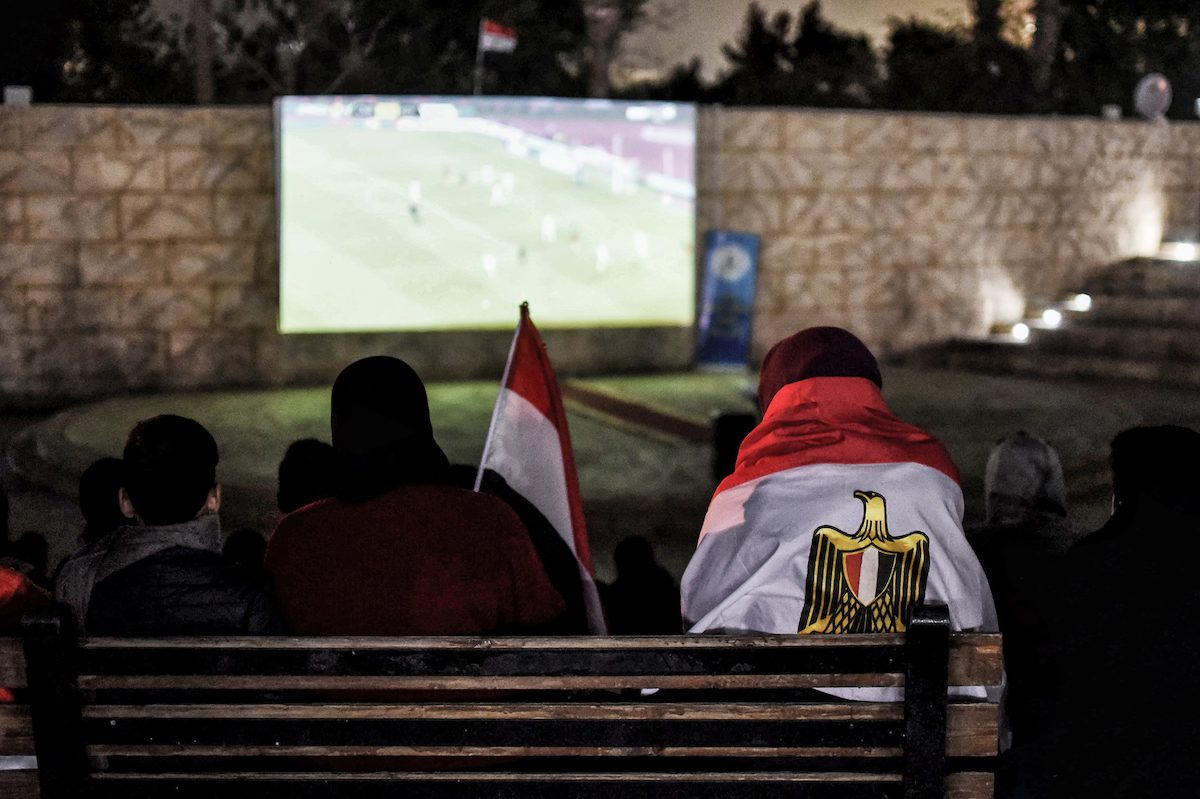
18, 595
398, 550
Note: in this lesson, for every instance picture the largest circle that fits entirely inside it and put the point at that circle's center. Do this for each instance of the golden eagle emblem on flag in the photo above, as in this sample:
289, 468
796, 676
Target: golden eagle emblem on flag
867, 582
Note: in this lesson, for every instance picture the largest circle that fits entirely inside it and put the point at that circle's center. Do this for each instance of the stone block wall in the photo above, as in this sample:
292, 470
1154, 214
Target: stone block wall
138, 253
913, 228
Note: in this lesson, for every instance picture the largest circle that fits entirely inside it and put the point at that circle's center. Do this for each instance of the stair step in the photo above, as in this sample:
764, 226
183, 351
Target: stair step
1147, 278
1181, 311
1025, 360
1142, 343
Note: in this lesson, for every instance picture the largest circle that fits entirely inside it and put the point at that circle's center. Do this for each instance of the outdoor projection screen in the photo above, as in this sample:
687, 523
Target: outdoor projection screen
445, 213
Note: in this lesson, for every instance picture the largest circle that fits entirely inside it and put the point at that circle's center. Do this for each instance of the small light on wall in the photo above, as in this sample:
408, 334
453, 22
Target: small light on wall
1180, 251
1051, 317
1020, 332
1080, 302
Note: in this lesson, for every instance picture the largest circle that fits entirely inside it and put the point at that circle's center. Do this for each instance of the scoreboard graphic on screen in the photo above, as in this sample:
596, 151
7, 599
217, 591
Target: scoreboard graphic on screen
442, 213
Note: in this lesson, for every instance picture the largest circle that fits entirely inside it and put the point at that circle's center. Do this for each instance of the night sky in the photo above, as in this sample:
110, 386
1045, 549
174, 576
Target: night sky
677, 30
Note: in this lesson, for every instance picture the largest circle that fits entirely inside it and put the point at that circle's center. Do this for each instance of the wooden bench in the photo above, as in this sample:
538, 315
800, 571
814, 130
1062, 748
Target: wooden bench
367, 717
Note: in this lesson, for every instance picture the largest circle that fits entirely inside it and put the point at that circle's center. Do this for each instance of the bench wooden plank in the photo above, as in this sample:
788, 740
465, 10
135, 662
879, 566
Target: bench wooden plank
716, 711
974, 659
12, 663
16, 731
468, 683
460, 750
972, 728
19, 785
967, 785
964, 641
497, 776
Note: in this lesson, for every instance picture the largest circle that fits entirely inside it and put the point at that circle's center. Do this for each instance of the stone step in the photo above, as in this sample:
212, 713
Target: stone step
1025, 360
1118, 341
1146, 277
1179, 311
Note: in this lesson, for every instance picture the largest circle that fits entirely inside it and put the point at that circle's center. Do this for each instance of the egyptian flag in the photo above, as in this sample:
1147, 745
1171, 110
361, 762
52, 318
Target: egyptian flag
838, 518
529, 445
496, 38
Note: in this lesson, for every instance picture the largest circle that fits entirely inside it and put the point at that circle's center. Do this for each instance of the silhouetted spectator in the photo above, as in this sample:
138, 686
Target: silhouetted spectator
1021, 547
555, 555
644, 599
1129, 654
31, 548
398, 550
9, 557
166, 576
99, 498
305, 474
18, 595
243, 551
3, 518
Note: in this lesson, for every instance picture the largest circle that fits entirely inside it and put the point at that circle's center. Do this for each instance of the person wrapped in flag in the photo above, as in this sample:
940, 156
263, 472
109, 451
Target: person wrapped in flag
839, 517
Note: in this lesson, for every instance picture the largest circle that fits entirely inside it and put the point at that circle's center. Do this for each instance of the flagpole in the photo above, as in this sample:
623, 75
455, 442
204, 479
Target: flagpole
512, 349
479, 61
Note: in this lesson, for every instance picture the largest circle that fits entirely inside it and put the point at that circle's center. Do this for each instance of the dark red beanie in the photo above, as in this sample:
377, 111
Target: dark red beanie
815, 352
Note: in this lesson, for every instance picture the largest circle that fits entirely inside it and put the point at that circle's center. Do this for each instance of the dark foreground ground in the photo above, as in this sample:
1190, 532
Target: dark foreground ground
635, 479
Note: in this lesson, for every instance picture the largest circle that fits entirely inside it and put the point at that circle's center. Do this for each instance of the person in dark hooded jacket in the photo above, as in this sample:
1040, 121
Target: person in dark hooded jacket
399, 550
1021, 546
165, 575
1127, 654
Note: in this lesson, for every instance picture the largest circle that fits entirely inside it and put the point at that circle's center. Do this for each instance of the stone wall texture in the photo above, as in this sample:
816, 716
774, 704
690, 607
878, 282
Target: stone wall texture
138, 253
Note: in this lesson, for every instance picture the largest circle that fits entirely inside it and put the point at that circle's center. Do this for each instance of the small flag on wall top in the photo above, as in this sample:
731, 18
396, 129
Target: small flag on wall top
529, 445
496, 38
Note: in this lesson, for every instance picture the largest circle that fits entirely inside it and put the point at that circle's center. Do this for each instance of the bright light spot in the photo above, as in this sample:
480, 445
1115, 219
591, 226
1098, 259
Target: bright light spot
1081, 302
1180, 251
1020, 331
1051, 318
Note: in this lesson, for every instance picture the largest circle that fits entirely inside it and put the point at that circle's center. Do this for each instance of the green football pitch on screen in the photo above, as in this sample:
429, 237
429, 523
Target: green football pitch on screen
400, 213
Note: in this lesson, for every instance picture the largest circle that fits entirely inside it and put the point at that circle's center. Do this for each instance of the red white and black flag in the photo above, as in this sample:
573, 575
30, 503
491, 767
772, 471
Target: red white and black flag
529, 445
496, 38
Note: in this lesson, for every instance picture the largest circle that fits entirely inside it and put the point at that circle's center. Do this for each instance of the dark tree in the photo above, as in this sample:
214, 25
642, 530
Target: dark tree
683, 84
830, 67
409, 46
1106, 46
92, 51
120, 51
34, 47
758, 59
929, 68
818, 65
935, 68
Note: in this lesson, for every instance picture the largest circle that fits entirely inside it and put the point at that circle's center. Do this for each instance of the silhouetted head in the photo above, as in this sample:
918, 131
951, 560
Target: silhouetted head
1023, 481
306, 474
244, 549
1156, 468
633, 556
382, 434
815, 352
170, 471
33, 549
100, 498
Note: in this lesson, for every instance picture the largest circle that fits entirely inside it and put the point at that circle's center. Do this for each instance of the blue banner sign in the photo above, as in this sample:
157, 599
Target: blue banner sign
730, 273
